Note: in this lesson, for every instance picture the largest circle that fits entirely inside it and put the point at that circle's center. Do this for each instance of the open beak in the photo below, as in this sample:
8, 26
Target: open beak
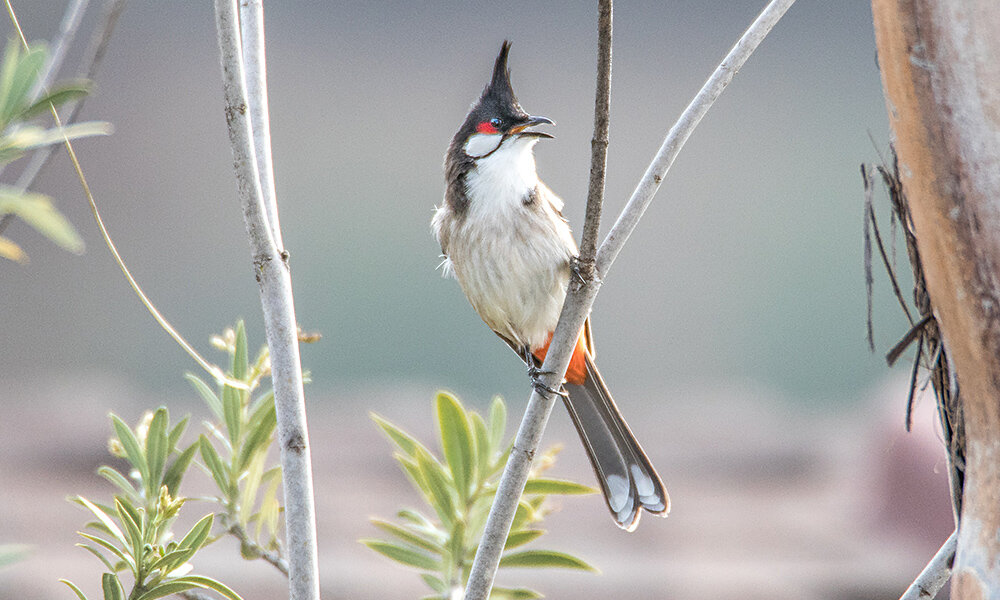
522, 130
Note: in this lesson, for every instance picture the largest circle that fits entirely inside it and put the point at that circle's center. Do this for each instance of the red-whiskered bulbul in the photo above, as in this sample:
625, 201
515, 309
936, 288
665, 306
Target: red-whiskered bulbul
505, 240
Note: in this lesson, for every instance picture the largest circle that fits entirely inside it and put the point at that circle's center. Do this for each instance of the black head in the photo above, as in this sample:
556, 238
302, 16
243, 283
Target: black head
497, 111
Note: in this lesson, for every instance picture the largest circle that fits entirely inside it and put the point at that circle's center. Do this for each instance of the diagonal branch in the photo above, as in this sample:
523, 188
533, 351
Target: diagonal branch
580, 299
271, 271
930, 581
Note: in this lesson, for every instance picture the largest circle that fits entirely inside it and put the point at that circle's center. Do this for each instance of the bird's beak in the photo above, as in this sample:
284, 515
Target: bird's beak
532, 121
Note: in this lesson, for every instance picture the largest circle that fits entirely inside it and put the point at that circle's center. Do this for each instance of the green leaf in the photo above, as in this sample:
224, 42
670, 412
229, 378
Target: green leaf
259, 435
544, 559
240, 361
118, 479
180, 584
206, 393
522, 537
112, 587
456, 441
232, 409
133, 527
172, 478
215, 465
63, 92
109, 547
523, 515
20, 72
79, 593
404, 441
418, 539
498, 422
132, 449
105, 520
406, 555
156, 451
440, 489
434, 583
95, 552
514, 594
38, 211
556, 486
414, 474
456, 540
176, 433
484, 450
196, 537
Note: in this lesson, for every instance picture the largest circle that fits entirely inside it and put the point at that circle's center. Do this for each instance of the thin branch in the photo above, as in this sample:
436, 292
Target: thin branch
681, 130
255, 65
580, 299
67, 31
930, 581
275, 282
599, 143
268, 556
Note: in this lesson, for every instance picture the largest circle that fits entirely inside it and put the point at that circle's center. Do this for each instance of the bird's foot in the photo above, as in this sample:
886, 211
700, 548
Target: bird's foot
541, 387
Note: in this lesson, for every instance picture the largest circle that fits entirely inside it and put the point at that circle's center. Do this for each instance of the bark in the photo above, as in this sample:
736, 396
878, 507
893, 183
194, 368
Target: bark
942, 83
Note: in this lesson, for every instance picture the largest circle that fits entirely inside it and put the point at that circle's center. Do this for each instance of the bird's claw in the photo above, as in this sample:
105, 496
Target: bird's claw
541, 387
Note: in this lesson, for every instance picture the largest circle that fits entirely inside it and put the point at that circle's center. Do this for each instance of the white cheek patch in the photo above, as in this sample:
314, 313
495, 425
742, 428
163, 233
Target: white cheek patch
481, 144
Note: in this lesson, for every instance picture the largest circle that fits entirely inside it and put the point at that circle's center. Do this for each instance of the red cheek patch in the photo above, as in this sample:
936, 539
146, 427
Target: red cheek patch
486, 127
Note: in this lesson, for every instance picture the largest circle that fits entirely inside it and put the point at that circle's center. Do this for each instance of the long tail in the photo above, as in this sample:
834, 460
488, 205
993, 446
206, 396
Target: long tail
626, 476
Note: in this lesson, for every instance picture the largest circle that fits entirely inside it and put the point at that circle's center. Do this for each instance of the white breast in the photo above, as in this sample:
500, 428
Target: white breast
512, 259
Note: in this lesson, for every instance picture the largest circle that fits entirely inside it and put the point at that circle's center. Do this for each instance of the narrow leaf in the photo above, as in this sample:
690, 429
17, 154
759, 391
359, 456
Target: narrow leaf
118, 479
498, 422
544, 559
434, 583
79, 593
440, 489
112, 587
156, 451
133, 451
215, 465
456, 442
404, 554
522, 537
556, 486
404, 441
411, 537
240, 362
107, 546
65, 92
187, 582
95, 552
38, 211
232, 410
175, 434
484, 449
105, 520
172, 478
206, 393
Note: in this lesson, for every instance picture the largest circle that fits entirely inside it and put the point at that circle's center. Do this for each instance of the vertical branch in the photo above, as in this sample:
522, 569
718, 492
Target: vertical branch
275, 282
942, 87
598, 143
580, 299
255, 64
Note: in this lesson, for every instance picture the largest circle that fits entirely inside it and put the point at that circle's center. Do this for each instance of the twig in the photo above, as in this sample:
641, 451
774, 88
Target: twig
255, 65
195, 595
682, 129
580, 299
275, 282
598, 143
935, 574
273, 558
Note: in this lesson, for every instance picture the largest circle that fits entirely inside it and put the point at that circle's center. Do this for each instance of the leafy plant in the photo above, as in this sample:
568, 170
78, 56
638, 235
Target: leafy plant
248, 489
135, 534
460, 490
20, 74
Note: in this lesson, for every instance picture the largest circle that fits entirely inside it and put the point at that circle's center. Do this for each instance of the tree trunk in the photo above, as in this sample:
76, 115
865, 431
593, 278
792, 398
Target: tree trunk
940, 63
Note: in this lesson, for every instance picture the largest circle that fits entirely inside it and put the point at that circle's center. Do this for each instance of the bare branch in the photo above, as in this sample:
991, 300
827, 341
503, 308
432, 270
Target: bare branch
682, 129
271, 271
581, 297
930, 581
255, 64
599, 143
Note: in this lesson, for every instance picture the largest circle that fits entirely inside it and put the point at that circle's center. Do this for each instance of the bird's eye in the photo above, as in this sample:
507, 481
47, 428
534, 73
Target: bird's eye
496, 122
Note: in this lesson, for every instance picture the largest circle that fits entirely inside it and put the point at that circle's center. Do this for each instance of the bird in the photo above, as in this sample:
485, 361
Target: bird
503, 237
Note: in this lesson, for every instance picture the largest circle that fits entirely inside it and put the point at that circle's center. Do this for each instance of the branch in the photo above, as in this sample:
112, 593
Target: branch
255, 64
682, 129
580, 299
930, 581
246, 543
275, 282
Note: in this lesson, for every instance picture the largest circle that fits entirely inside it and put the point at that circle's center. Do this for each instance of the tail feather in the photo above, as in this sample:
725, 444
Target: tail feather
626, 477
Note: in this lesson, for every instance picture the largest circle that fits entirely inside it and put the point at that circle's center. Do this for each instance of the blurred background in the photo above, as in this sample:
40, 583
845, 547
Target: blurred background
732, 327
